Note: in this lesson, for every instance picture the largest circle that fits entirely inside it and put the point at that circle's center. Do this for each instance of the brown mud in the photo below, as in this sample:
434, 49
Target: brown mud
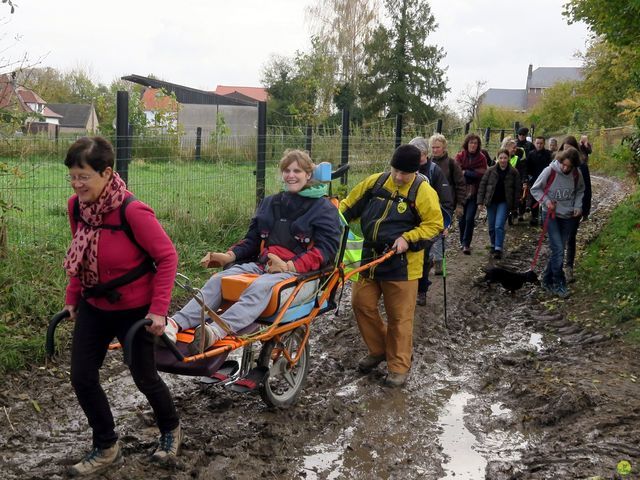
508, 389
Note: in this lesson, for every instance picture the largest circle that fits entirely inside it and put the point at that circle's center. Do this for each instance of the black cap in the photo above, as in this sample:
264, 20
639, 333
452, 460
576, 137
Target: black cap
523, 131
406, 158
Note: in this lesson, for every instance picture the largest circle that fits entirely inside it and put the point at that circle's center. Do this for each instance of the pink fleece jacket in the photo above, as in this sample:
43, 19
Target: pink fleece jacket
117, 255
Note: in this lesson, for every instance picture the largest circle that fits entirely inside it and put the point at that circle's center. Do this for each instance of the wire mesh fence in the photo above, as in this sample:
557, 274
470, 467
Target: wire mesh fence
207, 195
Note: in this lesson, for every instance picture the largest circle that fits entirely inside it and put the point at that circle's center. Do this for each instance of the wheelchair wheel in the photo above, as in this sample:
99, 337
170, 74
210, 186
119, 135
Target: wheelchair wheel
284, 383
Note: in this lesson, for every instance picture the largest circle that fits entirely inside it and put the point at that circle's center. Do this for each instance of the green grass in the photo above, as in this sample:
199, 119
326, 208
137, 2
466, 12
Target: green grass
611, 264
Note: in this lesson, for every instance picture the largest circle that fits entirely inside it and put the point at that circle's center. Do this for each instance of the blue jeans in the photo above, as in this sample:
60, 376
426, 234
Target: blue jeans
558, 232
466, 224
496, 218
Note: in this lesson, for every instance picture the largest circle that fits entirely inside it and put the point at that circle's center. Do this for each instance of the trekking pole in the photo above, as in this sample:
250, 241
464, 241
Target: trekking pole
444, 280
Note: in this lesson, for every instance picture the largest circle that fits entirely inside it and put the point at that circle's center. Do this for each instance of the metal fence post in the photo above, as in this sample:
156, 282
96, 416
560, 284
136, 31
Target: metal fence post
344, 154
501, 135
487, 136
398, 130
309, 140
198, 142
123, 154
261, 159
439, 126
516, 127
467, 126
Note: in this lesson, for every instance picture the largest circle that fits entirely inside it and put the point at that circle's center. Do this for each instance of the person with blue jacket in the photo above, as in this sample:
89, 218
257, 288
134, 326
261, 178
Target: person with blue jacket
559, 189
295, 231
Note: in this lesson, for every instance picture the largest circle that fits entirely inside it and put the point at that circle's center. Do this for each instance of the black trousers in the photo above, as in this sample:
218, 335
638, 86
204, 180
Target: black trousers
94, 330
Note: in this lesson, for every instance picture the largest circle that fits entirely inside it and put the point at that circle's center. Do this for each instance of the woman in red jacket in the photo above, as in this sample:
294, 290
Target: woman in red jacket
121, 266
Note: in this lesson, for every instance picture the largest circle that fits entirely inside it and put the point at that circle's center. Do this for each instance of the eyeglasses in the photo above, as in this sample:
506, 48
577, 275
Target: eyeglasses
78, 178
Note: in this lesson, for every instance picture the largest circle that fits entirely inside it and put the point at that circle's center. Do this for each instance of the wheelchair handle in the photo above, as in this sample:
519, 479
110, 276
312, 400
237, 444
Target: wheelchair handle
50, 343
128, 341
339, 172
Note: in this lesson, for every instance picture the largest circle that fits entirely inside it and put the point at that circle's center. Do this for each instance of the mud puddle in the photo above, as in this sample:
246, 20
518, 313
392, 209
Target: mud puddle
509, 389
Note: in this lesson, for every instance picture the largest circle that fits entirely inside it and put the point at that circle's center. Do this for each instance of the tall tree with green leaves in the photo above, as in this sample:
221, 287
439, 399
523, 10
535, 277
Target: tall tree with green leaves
404, 75
616, 20
345, 27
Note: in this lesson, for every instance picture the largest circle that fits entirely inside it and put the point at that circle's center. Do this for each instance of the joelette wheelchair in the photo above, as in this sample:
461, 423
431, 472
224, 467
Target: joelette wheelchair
279, 338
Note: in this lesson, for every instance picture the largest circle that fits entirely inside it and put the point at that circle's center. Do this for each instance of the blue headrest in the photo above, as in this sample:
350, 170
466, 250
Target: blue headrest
322, 172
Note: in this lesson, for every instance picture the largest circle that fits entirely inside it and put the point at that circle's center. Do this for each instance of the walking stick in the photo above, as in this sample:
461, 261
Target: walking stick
446, 220
444, 281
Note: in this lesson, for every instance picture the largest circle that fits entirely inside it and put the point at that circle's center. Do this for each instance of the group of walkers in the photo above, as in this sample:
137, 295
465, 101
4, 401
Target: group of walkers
121, 264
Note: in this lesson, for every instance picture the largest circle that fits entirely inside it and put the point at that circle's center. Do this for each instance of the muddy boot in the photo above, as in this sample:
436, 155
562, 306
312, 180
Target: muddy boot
568, 273
421, 299
370, 362
395, 380
169, 446
97, 459
437, 267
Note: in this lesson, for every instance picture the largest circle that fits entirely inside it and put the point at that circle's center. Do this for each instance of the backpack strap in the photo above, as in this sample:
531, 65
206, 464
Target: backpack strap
124, 224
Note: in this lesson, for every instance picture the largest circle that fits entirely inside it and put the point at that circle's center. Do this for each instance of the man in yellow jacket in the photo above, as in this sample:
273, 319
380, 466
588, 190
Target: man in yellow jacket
397, 210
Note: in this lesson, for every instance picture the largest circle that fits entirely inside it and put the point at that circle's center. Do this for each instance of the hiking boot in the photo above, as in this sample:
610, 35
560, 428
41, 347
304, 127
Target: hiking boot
210, 337
437, 267
421, 300
97, 459
466, 250
497, 254
547, 286
169, 445
395, 380
568, 273
561, 291
368, 363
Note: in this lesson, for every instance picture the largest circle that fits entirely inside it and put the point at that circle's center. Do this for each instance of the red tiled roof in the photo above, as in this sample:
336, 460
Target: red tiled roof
29, 96
154, 99
257, 93
47, 112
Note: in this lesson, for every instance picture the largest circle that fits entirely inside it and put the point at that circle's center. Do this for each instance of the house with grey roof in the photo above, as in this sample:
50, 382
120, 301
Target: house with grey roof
537, 81
76, 118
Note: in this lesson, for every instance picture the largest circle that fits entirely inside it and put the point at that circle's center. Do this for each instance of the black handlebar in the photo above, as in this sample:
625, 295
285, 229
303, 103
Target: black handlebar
50, 343
128, 341
339, 172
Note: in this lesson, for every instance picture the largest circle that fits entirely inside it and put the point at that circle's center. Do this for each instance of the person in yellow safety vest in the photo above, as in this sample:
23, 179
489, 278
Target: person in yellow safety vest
397, 210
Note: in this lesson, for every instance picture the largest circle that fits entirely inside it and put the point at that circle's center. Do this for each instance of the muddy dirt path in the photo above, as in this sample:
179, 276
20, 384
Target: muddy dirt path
510, 389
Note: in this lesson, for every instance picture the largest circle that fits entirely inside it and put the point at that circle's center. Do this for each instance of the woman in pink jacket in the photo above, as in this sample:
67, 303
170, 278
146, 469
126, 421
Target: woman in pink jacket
121, 265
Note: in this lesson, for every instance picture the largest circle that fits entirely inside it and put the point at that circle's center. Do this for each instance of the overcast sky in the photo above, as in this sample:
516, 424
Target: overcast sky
204, 43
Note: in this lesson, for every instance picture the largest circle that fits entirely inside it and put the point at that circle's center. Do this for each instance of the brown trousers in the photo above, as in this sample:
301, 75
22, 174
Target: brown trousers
395, 337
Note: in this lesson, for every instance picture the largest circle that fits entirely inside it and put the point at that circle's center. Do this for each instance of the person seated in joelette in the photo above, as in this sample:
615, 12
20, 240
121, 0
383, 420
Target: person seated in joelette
295, 231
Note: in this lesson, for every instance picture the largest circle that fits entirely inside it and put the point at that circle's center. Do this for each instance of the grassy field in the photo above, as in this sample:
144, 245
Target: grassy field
206, 206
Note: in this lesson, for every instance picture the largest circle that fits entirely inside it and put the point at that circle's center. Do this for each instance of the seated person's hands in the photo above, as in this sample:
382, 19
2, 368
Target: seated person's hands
276, 265
213, 259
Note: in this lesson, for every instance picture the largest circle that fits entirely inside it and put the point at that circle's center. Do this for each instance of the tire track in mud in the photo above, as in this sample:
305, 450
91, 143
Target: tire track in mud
511, 370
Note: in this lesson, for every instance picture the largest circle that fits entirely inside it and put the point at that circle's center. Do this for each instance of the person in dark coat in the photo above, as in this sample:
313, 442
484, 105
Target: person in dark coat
523, 142
499, 192
537, 160
586, 204
440, 184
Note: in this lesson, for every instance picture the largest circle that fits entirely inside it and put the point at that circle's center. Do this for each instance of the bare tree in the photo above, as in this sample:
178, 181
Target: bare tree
345, 26
469, 100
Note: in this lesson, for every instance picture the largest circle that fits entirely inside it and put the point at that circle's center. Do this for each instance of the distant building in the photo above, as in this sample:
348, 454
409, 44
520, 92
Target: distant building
76, 118
198, 108
537, 81
252, 94
39, 118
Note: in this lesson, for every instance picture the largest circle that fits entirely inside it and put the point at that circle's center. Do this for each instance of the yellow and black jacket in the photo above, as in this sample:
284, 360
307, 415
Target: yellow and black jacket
387, 212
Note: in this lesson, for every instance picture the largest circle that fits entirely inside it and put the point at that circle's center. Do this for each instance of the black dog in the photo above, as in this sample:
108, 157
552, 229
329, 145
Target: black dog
510, 280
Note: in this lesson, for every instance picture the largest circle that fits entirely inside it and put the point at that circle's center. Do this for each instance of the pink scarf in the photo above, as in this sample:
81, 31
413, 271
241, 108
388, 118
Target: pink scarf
82, 256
